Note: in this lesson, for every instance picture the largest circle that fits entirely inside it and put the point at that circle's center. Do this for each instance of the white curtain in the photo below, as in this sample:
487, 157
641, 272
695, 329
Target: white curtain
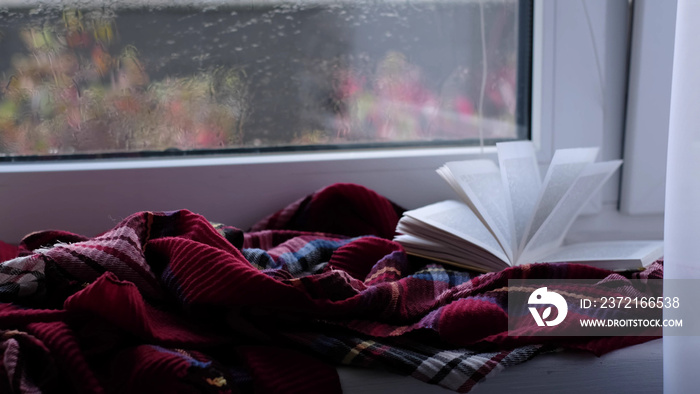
682, 210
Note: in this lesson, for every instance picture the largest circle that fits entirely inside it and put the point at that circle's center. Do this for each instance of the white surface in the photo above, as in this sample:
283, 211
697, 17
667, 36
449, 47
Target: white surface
611, 224
579, 88
635, 369
682, 226
648, 106
236, 191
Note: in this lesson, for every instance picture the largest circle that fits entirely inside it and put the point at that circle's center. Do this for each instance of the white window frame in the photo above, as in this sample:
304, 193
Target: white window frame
646, 137
568, 110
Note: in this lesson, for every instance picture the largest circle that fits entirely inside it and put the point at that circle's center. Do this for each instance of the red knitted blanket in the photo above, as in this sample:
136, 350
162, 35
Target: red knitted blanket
171, 302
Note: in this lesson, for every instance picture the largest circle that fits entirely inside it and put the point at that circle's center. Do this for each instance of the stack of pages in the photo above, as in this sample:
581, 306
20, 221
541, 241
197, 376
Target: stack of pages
508, 215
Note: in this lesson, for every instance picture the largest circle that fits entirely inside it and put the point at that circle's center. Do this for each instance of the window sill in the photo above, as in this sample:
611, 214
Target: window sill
610, 224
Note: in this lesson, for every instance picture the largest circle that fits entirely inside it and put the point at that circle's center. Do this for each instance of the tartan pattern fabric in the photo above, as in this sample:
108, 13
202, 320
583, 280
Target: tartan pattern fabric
21, 277
457, 369
171, 302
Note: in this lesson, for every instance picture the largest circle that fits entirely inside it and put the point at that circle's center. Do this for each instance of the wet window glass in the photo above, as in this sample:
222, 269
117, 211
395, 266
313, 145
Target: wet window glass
94, 77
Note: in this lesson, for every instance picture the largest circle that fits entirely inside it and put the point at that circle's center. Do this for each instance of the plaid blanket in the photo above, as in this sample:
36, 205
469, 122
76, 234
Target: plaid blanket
169, 301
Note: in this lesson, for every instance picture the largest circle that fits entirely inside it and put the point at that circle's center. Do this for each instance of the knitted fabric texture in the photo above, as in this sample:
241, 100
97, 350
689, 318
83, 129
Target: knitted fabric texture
167, 301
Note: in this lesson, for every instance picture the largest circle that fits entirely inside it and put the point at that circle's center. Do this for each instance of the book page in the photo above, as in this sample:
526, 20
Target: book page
458, 219
480, 182
606, 250
608, 254
420, 229
565, 167
522, 183
451, 180
551, 234
474, 258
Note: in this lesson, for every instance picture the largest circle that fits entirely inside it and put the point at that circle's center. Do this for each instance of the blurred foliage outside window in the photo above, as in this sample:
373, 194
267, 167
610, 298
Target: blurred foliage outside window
105, 79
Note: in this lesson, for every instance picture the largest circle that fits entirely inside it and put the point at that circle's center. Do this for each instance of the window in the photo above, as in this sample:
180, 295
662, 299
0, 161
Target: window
578, 99
108, 77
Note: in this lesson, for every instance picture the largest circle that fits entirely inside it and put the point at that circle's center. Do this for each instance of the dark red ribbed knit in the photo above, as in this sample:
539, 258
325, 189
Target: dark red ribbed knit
287, 371
341, 208
121, 304
61, 340
8, 251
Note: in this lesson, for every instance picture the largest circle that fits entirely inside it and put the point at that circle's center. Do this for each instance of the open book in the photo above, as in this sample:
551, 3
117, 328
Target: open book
509, 215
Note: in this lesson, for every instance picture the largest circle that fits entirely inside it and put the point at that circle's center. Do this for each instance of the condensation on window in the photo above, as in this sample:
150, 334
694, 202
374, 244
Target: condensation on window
116, 76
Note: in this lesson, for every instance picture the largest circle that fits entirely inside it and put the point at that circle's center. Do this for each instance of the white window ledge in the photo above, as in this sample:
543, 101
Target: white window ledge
611, 224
